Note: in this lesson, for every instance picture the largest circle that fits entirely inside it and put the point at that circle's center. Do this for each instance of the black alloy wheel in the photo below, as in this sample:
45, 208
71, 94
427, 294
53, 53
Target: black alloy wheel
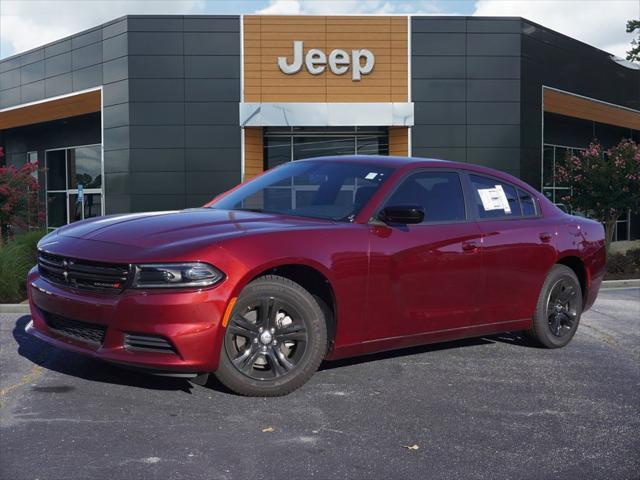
275, 339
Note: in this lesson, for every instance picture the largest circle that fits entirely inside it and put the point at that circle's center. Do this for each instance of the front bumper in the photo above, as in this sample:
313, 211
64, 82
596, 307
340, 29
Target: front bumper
189, 320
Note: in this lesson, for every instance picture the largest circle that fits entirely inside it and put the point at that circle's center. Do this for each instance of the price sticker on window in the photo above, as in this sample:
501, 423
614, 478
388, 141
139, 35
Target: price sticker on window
494, 199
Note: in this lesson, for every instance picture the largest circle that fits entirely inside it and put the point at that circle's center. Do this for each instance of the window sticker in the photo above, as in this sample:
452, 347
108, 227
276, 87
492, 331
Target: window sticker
494, 199
371, 176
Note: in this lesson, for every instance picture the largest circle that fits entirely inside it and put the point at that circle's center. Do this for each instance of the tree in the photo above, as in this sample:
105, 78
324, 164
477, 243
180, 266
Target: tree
604, 184
18, 198
633, 55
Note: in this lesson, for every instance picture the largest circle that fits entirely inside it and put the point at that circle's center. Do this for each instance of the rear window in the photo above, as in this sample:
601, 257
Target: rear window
494, 199
527, 204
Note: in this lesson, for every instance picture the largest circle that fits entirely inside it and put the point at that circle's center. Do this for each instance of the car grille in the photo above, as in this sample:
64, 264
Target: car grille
82, 274
147, 343
83, 331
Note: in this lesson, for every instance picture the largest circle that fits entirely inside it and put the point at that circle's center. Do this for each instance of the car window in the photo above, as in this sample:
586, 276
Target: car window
527, 204
438, 193
335, 190
493, 198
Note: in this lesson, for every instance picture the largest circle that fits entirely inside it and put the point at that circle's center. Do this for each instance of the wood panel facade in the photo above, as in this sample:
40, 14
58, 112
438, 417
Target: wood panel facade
253, 152
55, 109
586, 109
399, 141
268, 37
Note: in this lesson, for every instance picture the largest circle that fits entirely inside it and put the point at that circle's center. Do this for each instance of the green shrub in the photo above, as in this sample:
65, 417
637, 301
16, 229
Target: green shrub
16, 259
634, 256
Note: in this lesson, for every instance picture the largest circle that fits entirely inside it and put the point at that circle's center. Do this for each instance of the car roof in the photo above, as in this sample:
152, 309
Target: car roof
418, 162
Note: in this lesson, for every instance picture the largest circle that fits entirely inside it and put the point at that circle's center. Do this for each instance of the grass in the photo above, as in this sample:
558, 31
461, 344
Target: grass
16, 259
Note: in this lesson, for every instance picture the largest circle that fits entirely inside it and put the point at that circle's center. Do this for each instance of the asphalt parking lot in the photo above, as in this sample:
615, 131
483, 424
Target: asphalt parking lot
489, 408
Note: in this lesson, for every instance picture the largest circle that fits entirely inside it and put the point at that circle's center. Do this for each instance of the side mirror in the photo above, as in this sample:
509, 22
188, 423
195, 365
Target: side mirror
402, 214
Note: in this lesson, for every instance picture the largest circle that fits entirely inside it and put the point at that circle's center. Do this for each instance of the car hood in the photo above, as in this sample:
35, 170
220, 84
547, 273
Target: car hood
176, 228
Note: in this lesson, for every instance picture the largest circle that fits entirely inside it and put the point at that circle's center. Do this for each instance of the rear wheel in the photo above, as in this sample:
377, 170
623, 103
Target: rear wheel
275, 339
558, 310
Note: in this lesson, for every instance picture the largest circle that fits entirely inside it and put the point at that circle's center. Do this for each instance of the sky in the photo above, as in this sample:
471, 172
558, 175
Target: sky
25, 24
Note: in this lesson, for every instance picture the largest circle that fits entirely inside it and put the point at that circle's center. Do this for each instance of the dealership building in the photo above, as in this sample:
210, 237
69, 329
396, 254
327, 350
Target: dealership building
164, 112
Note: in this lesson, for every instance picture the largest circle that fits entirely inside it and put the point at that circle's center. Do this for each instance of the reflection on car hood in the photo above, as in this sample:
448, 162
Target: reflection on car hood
156, 229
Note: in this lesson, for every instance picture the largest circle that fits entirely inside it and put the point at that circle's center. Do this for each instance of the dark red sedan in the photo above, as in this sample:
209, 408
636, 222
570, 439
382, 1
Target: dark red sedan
317, 259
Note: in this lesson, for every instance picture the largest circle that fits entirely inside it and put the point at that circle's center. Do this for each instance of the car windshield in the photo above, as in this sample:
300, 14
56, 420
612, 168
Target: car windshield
334, 190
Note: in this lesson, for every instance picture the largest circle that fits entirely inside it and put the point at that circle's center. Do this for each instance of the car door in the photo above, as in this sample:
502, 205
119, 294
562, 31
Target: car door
425, 277
517, 246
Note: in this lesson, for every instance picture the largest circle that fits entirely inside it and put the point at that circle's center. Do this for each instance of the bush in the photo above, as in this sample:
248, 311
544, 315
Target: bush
634, 257
16, 259
623, 265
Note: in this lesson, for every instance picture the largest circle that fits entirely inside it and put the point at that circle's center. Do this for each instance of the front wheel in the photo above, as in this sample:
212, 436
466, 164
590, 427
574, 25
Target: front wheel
559, 307
275, 339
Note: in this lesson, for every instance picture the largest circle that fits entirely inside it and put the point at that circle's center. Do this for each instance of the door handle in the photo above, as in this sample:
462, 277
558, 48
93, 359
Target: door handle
545, 237
470, 246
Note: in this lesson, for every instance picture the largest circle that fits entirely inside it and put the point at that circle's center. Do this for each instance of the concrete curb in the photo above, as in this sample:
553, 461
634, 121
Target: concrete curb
14, 308
630, 283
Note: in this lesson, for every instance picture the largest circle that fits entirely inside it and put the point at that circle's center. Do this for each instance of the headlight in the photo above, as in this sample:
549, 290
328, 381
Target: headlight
175, 275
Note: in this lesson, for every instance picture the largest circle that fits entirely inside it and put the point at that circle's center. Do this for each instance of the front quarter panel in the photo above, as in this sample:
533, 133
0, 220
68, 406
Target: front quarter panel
338, 252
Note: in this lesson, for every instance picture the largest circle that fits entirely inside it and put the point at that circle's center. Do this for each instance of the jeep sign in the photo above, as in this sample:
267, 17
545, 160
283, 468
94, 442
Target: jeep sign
361, 61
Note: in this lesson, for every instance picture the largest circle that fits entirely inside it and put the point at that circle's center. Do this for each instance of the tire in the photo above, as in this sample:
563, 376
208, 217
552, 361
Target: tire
275, 339
558, 310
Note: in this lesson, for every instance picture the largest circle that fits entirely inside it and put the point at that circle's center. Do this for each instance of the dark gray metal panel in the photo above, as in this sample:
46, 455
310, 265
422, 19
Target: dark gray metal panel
437, 67
114, 47
212, 24
211, 43
493, 113
209, 136
493, 44
32, 72
32, 56
114, 29
10, 79
87, 38
157, 183
438, 90
213, 159
57, 65
438, 44
211, 90
60, 85
157, 160
163, 23
440, 113
455, 154
493, 90
155, 43
505, 159
87, 56
116, 92
9, 97
157, 136
430, 24
155, 202
440, 136
63, 46
9, 64
32, 92
115, 70
196, 201
212, 113
117, 203
168, 113
117, 183
116, 161
493, 25
493, 135
156, 66
87, 77
211, 183
493, 67
116, 115
212, 66
156, 90
116, 138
